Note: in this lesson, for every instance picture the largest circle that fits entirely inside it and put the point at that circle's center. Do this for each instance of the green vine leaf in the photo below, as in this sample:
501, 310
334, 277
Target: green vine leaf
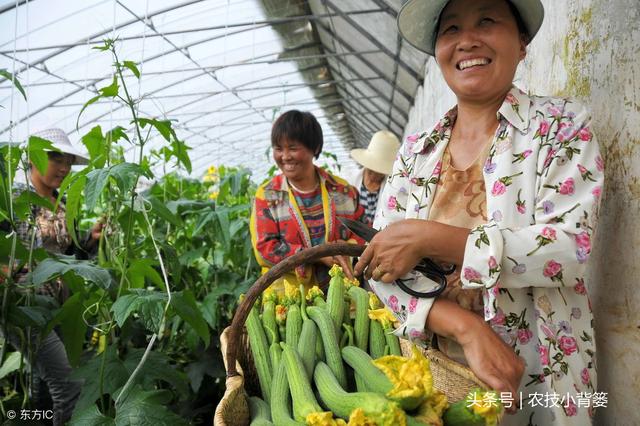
6, 74
110, 91
11, 364
146, 408
89, 102
90, 416
37, 149
96, 146
74, 201
132, 67
52, 268
96, 181
134, 301
162, 126
185, 306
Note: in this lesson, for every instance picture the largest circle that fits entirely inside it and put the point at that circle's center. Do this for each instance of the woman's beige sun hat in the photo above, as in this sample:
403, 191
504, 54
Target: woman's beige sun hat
380, 154
61, 142
418, 20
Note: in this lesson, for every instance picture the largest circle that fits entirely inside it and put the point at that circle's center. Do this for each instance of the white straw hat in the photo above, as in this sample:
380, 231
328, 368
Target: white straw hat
418, 20
61, 142
380, 154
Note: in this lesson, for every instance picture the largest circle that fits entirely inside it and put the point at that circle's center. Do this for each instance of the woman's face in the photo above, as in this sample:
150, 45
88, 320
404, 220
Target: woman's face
293, 158
58, 168
478, 48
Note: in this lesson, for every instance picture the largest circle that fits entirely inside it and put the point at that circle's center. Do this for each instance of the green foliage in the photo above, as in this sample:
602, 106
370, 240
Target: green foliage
180, 236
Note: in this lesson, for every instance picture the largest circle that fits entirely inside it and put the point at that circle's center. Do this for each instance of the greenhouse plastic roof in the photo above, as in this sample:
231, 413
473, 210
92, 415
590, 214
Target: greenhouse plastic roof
223, 69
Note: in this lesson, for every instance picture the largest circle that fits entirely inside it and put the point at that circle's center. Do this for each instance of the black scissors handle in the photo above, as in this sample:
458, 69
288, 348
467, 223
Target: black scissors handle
433, 271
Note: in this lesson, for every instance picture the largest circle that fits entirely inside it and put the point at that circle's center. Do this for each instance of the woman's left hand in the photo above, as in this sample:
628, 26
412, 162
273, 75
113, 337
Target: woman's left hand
397, 249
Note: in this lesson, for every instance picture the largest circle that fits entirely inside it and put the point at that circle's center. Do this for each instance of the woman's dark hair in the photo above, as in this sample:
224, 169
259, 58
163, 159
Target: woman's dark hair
522, 28
298, 126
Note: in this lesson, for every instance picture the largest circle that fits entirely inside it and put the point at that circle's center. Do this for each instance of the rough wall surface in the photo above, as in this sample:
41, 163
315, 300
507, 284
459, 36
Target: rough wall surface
590, 49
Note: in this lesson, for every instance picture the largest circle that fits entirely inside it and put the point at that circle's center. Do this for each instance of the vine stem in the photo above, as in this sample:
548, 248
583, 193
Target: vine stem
138, 367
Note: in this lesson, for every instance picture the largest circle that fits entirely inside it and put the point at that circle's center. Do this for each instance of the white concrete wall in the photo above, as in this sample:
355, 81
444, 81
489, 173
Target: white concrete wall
590, 49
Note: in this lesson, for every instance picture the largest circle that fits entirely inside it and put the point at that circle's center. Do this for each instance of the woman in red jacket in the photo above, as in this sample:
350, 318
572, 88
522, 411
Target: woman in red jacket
299, 208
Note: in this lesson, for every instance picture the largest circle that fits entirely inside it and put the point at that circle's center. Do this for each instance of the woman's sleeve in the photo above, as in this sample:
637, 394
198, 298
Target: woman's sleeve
393, 198
269, 246
554, 250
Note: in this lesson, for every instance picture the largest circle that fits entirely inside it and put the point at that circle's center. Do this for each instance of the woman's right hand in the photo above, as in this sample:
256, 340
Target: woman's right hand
491, 359
488, 356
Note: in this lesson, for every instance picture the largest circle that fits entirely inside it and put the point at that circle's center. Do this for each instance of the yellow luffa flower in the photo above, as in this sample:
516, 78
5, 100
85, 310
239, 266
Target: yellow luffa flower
374, 302
324, 419
431, 410
411, 377
291, 292
383, 316
281, 314
313, 293
350, 282
269, 295
213, 195
358, 418
336, 270
486, 404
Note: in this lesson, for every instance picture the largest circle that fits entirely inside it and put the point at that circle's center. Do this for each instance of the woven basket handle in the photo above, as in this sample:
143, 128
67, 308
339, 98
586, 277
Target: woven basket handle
309, 255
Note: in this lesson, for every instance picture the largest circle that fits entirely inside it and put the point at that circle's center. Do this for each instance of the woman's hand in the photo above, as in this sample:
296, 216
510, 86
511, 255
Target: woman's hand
492, 360
397, 249
96, 231
343, 261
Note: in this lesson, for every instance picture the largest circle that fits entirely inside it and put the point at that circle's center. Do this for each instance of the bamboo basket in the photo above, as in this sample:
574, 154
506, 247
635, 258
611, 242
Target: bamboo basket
450, 377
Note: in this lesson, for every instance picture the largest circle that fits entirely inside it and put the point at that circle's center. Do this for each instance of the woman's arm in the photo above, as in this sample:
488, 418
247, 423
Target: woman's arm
268, 243
492, 360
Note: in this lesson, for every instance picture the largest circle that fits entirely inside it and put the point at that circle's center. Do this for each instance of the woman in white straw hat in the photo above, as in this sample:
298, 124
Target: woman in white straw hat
51, 365
506, 187
376, 161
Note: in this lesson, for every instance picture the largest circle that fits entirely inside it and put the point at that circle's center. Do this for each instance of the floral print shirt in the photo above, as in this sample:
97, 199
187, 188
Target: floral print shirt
544, 177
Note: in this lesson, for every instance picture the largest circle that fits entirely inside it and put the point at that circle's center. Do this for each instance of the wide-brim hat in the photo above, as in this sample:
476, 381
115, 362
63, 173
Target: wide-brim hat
418, 20
61, 143
380, 154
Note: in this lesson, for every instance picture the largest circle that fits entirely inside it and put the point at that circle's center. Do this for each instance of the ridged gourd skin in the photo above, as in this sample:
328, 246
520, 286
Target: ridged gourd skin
335, 303
293, 326
360, 298
377, 341
260, 412
275, 353
304, 401
281, 401
307, 345
330, 342
269, 321
343, 403
392, 342
459, 414
375, 380
260, 351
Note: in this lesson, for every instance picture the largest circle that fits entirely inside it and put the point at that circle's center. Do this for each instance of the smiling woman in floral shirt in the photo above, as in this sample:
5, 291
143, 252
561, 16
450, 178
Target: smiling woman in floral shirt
505, 186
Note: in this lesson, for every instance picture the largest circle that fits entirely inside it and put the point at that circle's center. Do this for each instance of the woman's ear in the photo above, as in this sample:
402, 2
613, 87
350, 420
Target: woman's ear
523, 46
